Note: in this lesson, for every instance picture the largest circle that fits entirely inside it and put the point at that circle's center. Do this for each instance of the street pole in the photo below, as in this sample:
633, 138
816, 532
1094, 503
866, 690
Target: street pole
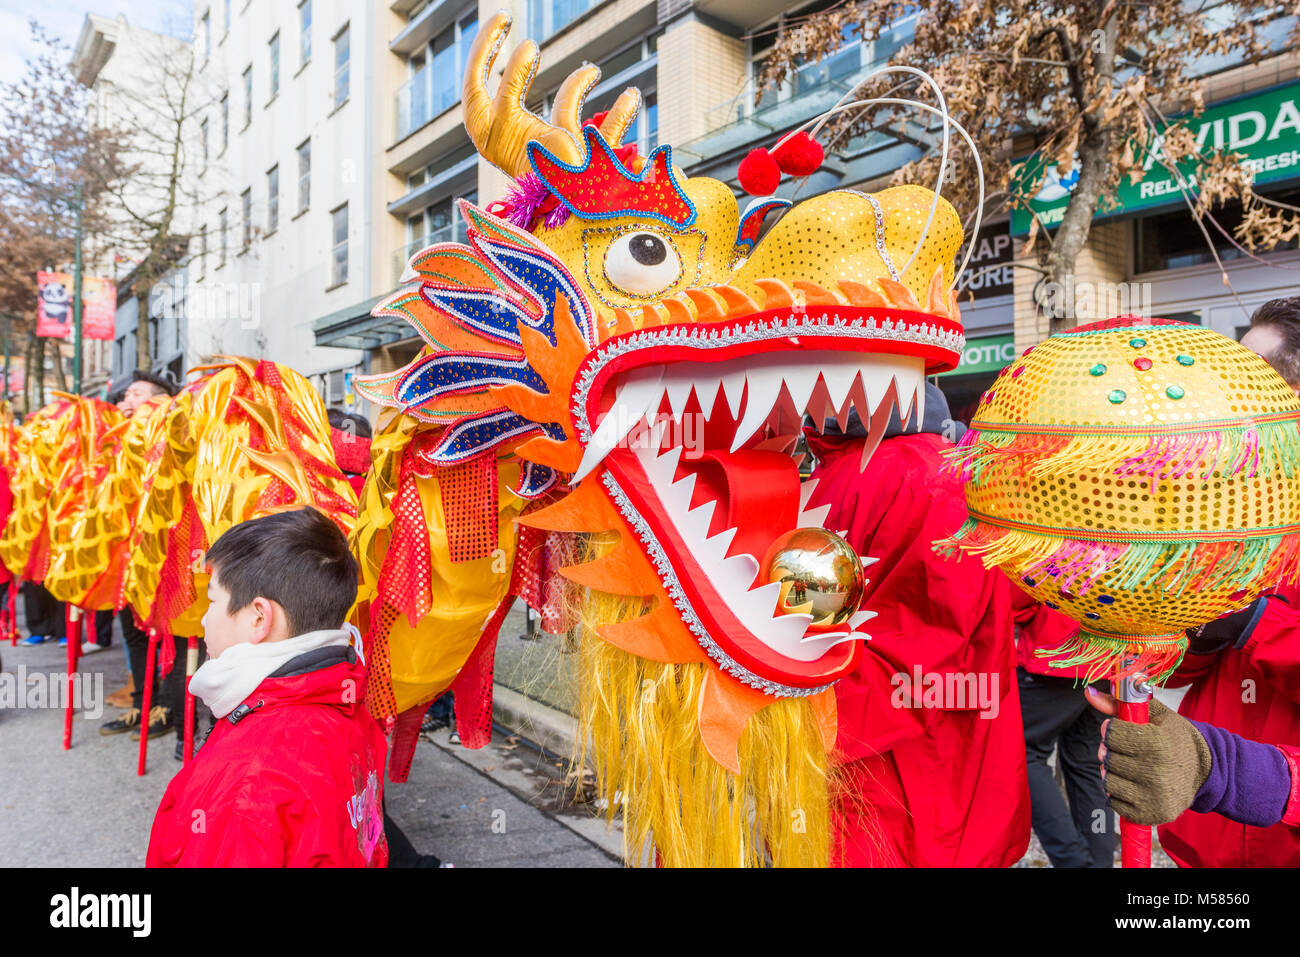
8, 327
76, 301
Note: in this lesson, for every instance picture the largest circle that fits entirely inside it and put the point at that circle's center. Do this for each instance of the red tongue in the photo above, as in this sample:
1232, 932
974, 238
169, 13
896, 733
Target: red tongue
757, 494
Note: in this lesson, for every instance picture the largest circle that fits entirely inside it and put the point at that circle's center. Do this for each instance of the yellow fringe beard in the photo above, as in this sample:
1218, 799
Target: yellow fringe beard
680, 808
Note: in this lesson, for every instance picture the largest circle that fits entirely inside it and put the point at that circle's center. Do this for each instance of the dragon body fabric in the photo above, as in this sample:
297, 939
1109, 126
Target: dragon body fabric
110, 511
615, 375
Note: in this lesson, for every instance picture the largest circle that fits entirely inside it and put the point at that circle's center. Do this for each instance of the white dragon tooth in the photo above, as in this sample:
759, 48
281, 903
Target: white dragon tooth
860, 618
695, 524
733, 384
814, 517
661, 468
876, 381
920, 401
640, 393
799, 384
706, 391
806, 491
677, 499
736, 574
866, 560
764, 390
678, 389
839, 377
721, 542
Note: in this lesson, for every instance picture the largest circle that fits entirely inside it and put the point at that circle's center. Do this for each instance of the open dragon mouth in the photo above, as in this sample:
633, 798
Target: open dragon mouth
700, 455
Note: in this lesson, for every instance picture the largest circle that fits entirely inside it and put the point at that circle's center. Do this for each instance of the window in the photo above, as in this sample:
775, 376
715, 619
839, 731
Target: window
304, 31
205, 35
339, 260
273, 198
342, 59
1170, 240
304, 176
246, 206
203, 130
222, 224
225, 121
248, 94
275, 64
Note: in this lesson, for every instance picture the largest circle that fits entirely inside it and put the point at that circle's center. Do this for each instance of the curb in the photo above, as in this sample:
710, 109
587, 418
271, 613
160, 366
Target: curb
548, 728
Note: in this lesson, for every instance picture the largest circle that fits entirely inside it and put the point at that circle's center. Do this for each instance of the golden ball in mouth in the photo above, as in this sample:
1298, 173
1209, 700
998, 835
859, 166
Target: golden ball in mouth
823, 576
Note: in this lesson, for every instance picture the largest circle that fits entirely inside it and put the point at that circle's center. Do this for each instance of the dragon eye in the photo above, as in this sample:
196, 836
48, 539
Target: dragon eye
642, 264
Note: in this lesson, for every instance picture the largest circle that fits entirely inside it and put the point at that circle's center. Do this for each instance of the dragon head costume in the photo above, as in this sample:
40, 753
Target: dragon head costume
616, 357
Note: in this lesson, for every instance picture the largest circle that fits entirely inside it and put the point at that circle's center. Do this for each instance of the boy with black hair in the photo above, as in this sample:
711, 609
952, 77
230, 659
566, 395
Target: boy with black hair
291, 775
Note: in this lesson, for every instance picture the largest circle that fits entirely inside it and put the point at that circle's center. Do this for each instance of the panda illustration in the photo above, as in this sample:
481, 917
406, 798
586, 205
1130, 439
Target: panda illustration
55, 302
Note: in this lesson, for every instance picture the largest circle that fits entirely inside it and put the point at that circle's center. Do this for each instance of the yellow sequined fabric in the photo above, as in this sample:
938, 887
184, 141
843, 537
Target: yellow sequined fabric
1141, 476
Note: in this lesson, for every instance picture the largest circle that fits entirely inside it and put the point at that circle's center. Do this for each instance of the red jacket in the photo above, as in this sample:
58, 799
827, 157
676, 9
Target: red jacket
1040, 628
935, 786
1254, 692
297, 781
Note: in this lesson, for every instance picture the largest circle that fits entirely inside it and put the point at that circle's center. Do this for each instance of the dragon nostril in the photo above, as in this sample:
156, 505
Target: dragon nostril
648, 250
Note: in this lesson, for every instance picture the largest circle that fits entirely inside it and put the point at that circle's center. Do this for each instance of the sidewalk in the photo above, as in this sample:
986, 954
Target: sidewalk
87, 808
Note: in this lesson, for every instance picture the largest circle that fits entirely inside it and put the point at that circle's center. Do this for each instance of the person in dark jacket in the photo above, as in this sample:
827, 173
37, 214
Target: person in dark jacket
292, 773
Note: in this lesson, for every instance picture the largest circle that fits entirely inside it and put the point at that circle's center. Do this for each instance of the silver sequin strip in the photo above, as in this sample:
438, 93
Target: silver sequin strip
754, 331
880, 236
668, 576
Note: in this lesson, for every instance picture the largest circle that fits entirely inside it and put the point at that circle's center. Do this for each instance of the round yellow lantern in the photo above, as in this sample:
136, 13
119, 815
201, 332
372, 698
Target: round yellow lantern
1142, 476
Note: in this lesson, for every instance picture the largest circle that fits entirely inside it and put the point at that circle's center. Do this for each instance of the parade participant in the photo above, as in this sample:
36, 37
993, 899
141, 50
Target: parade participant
1057, 716
350, 438
138, 399
291, 775
1138, 474
941, 785
1242, 673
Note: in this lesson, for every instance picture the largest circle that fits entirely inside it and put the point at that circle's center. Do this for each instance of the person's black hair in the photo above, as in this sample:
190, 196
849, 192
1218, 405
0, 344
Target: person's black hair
350, 422
298, 559
1284, 316
163, 381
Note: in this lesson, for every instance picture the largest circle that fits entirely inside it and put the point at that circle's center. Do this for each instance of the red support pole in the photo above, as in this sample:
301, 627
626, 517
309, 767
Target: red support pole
149, 666
13, 610
1134, 699
72, 621
191, 666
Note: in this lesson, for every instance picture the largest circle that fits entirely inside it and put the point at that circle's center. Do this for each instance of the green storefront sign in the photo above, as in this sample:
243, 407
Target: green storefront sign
986, 354
1263, 127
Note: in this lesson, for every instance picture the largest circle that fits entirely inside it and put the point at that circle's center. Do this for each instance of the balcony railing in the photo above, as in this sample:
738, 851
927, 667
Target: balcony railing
549, 16
456, 232
812, 90
424, 96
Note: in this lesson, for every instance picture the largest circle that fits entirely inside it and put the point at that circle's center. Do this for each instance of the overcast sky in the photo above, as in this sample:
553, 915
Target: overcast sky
64, 19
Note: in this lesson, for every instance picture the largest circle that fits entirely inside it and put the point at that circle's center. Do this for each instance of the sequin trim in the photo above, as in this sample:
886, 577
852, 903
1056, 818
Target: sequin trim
923, 333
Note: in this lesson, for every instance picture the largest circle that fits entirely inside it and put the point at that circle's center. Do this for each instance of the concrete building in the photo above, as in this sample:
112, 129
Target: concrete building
696, 64
291, 149
128, 70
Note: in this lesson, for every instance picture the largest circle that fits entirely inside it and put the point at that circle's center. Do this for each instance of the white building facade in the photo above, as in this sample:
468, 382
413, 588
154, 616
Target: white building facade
284, 237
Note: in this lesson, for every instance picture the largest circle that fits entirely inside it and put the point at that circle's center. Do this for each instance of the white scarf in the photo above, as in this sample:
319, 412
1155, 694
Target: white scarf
224, 682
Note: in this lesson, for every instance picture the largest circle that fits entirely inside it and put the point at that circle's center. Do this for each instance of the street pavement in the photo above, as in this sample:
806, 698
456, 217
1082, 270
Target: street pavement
499, 807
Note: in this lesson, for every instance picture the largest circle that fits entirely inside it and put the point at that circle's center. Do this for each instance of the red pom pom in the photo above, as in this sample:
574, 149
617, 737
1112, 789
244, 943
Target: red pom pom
759, 175
800, 155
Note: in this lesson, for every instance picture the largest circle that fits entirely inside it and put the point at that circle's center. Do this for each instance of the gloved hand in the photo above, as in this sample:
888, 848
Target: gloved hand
1152, 771
1234, 629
